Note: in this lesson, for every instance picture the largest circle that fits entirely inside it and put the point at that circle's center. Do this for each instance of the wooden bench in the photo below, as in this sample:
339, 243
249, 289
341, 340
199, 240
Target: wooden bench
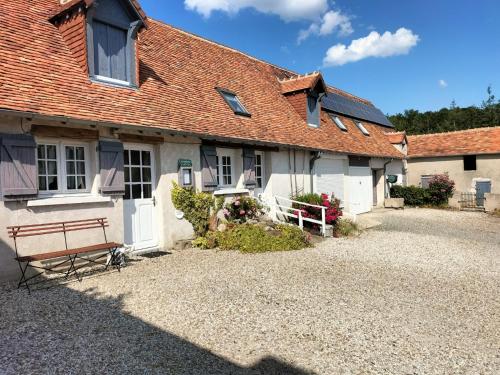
71, 254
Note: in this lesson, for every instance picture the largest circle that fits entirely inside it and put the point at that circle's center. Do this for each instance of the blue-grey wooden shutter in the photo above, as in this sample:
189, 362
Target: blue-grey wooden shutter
117, 42
313, 108
101, 58
249, 167
18, 172
208, 167
111, 165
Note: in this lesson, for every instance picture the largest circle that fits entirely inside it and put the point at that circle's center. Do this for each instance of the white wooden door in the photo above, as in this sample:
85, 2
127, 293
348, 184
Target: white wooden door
329, 176
360, 190
139, 200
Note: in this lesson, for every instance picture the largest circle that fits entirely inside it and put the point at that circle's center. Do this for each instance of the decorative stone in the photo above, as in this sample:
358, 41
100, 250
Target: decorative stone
394, 203
222, 227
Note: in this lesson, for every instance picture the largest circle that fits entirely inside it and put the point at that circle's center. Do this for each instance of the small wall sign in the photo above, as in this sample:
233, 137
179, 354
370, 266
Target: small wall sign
185, 171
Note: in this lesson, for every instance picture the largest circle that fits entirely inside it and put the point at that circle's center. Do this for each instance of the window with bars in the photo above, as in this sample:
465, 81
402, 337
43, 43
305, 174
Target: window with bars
138, 174
62, 168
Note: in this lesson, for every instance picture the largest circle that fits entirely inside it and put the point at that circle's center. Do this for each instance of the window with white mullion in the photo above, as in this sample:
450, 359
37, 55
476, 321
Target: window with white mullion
62, 168
138, 174
76, 174
47, 162
227, 177
259, 174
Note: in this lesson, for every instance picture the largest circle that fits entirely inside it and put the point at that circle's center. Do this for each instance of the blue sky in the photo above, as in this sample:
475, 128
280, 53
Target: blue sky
444, 49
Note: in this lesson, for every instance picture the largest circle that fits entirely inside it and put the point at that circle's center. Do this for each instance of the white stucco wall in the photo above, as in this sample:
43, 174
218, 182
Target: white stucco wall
287, 173
171, 228
487, 167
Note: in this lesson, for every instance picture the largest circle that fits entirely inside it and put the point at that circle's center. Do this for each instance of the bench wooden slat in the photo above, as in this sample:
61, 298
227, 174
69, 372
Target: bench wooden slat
62, 253
61, 227
30, 234
55, 223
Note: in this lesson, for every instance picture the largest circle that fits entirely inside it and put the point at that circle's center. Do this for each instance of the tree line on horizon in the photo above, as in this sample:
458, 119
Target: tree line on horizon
449, 119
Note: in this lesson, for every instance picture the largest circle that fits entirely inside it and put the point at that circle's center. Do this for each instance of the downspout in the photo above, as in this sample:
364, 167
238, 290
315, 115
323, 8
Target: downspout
295, 171
386, 193
290, 170
317, 155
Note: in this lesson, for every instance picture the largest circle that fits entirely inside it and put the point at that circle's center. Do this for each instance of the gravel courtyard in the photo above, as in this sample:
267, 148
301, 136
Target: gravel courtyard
419, 294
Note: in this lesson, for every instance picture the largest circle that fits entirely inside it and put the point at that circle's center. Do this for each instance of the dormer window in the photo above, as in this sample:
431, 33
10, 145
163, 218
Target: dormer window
234, 102
362, 128
339, 123
112, 27
313, 110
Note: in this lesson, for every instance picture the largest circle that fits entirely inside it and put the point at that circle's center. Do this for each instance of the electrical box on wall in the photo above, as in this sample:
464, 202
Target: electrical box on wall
186, 178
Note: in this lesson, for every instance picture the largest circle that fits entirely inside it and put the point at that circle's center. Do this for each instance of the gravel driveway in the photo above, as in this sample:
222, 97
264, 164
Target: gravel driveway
417, 295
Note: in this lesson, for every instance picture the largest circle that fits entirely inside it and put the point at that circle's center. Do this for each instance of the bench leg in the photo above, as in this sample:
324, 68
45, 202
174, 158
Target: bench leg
72, 267
23, 279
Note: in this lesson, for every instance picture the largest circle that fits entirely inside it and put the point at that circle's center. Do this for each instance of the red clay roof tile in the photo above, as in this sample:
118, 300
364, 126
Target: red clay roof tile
465, 142
177, 80
396, 137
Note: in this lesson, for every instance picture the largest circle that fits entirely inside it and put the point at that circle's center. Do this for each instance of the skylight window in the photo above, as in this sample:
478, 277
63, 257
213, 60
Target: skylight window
234, 102
362, 128
339, 123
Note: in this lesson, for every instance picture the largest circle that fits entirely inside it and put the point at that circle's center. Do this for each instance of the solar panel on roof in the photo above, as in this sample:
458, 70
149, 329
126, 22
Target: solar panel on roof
340, 104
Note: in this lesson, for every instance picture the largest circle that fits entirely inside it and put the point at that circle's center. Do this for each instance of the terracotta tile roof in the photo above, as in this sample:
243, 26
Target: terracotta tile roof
178, 76
396, 137
298, 83
465, 142
349, 95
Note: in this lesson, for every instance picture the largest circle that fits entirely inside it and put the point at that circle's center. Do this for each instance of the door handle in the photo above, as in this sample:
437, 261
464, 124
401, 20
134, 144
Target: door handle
154, 200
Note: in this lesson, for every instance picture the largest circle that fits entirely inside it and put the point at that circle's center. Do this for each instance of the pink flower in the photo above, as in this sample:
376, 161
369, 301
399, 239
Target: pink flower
242, 212
237, 203
226, 212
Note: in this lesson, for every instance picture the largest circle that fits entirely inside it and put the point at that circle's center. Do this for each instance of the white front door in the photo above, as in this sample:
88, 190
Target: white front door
360, 190
139, 200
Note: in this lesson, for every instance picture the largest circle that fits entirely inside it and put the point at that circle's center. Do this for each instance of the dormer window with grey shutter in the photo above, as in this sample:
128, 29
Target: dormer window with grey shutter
313, 110
112, 27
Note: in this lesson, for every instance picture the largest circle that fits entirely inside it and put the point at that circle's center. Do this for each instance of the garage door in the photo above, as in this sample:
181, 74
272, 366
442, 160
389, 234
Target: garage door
360, 190
330, 177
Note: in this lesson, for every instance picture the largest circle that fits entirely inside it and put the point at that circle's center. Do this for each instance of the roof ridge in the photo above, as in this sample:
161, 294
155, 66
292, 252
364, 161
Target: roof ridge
163, 23
299, 76
485, 128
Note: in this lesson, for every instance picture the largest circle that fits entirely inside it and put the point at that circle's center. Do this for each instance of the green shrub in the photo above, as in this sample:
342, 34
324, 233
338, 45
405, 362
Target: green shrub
440, 189
197, 207
254, 239
413, 195
249, 238
346, 228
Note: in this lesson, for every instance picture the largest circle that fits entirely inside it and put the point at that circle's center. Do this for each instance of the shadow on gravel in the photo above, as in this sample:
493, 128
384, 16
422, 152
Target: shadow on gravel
440, 229
61, 330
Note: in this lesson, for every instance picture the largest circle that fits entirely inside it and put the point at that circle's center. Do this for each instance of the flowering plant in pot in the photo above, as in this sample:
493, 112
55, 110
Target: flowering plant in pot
241, 209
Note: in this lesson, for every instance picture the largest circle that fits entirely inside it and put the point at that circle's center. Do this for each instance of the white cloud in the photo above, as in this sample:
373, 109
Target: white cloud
288, 10
330, 22
372, 45
442, 83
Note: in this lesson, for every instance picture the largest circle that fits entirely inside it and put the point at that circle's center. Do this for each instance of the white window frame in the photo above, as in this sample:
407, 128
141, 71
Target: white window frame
361, 127
61, 167
339, 123
220, 176
262, 169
